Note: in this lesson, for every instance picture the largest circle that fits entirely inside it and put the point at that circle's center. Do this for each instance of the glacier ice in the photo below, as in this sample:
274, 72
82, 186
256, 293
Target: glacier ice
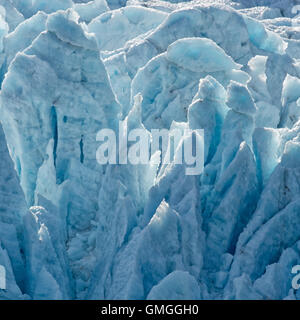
178, 285
71, 228
114, 28
89, 11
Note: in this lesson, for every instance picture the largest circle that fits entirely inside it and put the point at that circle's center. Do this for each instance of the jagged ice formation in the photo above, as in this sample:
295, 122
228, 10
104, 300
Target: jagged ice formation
71, 228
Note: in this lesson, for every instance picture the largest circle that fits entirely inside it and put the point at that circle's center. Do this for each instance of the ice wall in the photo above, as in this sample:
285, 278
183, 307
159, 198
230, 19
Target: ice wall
71, 228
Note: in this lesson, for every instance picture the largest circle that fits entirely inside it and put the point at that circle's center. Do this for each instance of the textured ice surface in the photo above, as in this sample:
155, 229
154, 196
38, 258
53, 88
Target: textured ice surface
89, 11
73, 229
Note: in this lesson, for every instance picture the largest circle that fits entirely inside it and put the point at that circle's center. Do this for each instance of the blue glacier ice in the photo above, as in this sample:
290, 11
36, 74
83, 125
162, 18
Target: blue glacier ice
71, 228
